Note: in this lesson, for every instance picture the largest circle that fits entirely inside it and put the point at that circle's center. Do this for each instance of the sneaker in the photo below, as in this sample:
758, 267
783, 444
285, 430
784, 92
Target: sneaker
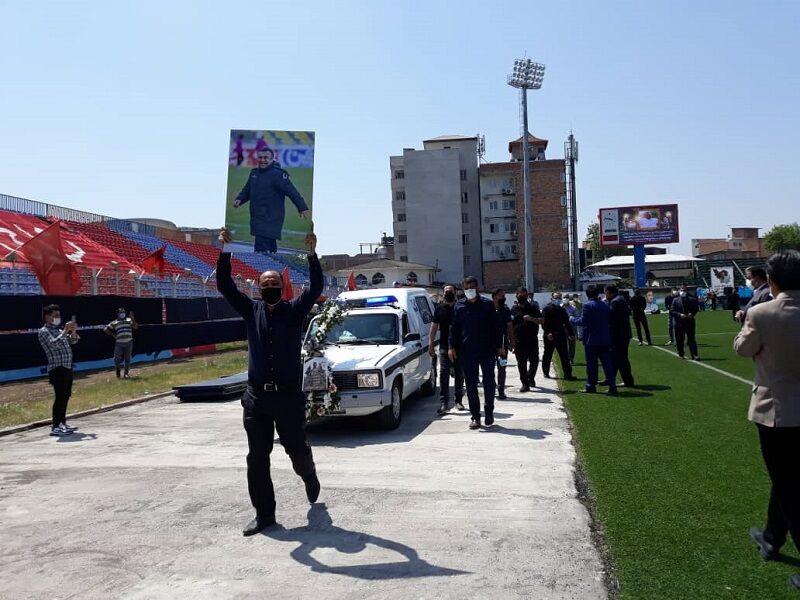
475, 424
489, 420
442, 409
60, 431
460, 406
668, 343
641, 343
695, 358
69, 427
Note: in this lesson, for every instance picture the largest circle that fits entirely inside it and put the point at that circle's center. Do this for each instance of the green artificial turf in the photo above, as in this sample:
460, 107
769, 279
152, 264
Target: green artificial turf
676, 474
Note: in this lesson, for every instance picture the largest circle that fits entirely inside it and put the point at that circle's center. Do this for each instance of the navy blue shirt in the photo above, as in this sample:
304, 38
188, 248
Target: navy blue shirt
273, 337
266, 190
474, 328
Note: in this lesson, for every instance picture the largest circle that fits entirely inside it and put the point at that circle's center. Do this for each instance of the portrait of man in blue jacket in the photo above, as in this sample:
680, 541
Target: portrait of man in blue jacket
266, 190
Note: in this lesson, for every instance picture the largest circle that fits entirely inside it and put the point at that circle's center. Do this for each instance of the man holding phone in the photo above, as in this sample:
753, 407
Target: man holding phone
57, 344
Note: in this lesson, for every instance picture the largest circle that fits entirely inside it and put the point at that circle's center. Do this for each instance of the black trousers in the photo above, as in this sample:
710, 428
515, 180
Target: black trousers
501, 379
527, 363
640, 321
685, 332
263, 414
61, 380
622, 363
780, 447
446, 367
558, 344
471, 364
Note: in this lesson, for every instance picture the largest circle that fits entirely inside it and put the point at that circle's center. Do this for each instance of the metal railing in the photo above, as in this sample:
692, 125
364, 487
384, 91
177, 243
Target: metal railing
43, 209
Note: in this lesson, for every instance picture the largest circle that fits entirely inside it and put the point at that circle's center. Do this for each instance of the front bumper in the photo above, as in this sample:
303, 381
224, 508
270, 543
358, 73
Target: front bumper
357, 403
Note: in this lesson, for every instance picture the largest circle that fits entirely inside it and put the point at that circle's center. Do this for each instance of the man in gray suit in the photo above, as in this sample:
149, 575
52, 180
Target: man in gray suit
769, 336
756, 281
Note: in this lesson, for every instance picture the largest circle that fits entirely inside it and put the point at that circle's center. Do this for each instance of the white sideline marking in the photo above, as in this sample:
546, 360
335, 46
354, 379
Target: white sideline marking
702, 364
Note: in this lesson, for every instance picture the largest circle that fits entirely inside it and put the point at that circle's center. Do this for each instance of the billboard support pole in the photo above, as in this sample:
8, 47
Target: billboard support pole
639, 270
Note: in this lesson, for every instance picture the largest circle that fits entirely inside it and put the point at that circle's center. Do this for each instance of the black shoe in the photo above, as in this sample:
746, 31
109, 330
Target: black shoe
475, 424
489, 420
695, 358
547, 375
258, 524
612, 390
604, 383
312, 487
502, 396
442, 409
794, 581
767, 550
570, 378
524, 389
589, 389
681, 356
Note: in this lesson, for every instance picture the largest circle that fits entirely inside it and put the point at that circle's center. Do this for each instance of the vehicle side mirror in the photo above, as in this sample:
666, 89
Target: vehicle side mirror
411, 337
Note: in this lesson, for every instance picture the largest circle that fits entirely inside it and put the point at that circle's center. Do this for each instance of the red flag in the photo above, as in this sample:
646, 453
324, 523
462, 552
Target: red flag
288, 292
154, 261
351, 282
56, 273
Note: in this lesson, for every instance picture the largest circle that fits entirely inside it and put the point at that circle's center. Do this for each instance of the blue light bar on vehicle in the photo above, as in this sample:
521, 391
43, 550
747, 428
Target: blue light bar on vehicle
372, 302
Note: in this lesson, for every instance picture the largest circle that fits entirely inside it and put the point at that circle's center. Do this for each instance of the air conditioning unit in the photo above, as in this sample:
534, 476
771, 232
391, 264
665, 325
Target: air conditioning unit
506, 192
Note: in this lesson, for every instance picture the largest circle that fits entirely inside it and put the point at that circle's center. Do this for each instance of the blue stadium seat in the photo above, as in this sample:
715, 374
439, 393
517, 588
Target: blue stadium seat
173, 254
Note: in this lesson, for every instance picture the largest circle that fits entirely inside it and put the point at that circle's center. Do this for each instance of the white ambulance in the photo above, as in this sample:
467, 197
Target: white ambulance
379, 353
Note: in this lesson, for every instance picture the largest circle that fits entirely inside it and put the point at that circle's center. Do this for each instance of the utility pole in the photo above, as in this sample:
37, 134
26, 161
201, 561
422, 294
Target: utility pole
571, 156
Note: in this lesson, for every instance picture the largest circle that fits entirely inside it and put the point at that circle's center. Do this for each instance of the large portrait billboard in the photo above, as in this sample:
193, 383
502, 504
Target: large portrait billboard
643, 224
270, 185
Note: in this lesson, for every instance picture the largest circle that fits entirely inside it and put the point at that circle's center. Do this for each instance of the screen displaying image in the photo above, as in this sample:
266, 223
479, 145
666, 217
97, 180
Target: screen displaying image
646, 224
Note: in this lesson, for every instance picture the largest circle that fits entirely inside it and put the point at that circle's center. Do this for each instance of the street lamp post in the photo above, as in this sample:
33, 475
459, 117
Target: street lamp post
527, 75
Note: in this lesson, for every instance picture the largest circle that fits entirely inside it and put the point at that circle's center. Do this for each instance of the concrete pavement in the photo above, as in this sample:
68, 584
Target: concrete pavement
149, 501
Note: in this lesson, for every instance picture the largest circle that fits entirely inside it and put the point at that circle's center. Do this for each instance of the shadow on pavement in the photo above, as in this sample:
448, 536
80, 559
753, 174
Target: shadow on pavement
322, 533
77, 437
533, 434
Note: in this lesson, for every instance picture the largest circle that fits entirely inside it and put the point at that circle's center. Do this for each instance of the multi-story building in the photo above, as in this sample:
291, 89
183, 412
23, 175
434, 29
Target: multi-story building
503, 220
436, 206
743, 242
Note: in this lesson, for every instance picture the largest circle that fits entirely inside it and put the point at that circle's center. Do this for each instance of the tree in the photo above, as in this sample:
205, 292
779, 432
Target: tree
783, 237
601, 252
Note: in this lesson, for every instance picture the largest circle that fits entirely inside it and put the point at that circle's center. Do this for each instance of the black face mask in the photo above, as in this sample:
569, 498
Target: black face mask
449, 296
271, 295
501, 302
522, 299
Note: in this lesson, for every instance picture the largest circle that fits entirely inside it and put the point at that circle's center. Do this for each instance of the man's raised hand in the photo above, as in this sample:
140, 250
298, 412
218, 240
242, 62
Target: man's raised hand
224, 236
311, 242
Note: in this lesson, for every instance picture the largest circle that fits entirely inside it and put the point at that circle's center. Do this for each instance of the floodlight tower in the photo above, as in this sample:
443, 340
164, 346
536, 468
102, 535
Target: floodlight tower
527, 75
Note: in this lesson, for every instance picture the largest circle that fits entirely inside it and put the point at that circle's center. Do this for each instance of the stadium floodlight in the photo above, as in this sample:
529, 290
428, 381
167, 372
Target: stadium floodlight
526, 75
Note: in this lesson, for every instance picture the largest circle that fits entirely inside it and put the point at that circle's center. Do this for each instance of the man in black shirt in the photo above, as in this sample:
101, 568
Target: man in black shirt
683, 311
274, 397
556, 328
505, 336
638, 304
473, 340
619, 323
442, 319
526, 319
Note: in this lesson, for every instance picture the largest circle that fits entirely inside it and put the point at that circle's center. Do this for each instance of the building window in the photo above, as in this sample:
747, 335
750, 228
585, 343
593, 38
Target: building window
400, 195
400, 174
403, 259
493, 227
378, 279
466, 260
465, 217
401, 217
402, 238
361, 280
465, 239
513, 225
509, 204
563, 223
464, 198
563, 177
463, 174
513, 249
563, 200
493, 205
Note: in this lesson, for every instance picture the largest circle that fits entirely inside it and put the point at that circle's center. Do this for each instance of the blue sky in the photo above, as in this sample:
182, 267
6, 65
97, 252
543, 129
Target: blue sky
124, 108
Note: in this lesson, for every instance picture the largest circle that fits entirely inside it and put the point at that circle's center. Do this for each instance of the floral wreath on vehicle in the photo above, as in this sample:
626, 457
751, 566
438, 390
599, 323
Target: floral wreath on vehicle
322, 395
